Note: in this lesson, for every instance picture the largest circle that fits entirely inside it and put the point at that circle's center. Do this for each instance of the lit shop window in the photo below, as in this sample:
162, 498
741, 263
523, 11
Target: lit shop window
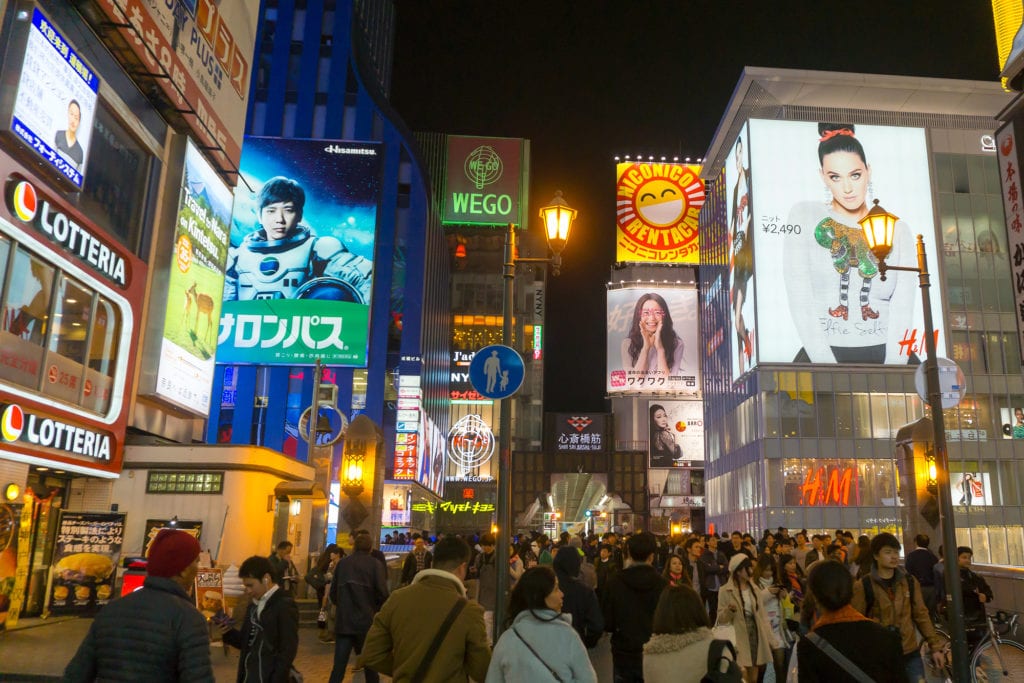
58, 336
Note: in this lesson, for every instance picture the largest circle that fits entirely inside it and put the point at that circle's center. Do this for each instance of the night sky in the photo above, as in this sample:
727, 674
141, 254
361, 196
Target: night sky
588, 80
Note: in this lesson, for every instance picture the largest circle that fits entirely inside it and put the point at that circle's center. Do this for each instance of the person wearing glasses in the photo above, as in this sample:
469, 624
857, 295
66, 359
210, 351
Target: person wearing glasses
652, 348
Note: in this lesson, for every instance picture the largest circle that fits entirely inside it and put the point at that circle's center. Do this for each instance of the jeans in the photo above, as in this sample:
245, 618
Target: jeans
343, 645
914, 666
628, 670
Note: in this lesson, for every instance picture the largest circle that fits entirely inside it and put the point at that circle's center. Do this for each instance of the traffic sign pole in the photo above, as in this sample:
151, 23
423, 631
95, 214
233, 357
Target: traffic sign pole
504, 535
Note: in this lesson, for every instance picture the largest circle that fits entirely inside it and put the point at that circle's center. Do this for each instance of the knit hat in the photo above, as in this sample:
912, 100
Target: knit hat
171, 552
736, 560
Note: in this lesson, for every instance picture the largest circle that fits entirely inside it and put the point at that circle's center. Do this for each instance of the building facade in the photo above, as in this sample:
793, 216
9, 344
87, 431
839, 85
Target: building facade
809, 357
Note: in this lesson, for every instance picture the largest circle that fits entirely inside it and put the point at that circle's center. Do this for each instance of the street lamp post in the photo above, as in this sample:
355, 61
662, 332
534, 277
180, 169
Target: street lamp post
558, 218
879, 228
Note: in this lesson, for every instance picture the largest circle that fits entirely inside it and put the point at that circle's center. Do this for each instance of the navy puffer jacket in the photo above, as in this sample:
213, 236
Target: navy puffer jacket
154, 634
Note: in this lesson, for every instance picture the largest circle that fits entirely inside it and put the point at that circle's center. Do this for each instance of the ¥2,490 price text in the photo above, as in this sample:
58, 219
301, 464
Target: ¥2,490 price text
777, 229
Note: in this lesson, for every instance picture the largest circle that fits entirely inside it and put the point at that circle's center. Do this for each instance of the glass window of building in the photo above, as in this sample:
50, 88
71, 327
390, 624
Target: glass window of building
26, 309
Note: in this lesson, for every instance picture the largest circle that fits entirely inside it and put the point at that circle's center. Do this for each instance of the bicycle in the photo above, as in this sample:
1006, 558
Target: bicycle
995, 659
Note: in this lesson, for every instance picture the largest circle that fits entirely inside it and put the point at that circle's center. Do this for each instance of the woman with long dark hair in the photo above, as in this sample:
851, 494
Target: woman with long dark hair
664, 449
652, 346
539, 644
678, 649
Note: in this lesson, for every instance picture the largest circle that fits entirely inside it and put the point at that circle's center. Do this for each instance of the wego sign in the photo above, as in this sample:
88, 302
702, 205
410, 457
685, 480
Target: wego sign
484, 181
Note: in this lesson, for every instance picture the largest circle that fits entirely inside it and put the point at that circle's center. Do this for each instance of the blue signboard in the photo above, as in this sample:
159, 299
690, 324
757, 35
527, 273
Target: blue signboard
497, 371
56, 101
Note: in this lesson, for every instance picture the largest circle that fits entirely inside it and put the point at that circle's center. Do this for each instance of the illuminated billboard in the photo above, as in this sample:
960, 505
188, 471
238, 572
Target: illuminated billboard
739, 207
300, 268
653, 344
820, 298
656, 211
195, 286
56, 101
201, 54
675, 433
486, 181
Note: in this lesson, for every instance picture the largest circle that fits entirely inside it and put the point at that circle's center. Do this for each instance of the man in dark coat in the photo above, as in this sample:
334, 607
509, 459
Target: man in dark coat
269, 638
628, 604
287, 576
156, 633
419, 559
716, 572
359, 588
578, 600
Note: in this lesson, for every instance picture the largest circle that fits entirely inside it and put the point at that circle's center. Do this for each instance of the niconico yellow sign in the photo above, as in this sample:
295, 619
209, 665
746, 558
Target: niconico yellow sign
657, 205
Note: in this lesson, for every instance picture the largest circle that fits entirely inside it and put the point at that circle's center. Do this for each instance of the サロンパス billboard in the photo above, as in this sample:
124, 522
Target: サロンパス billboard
653, 340
820, 297
657, 205
675, 432
485, 180
195, 286
300, 268
56, 101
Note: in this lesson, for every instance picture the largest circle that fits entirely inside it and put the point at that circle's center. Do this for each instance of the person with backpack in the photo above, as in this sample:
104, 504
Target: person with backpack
539, 643
893, 598
579, 602
842, 641
681, 648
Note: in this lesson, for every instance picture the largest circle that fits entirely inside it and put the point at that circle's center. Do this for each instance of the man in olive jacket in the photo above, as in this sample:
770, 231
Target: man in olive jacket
156, 633
403, 630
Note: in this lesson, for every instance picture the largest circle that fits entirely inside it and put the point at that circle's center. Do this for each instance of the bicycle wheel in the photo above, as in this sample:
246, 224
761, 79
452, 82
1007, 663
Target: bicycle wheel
998, 662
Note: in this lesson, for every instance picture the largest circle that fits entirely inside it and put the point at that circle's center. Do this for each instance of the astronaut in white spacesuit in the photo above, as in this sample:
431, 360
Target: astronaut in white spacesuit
283, 259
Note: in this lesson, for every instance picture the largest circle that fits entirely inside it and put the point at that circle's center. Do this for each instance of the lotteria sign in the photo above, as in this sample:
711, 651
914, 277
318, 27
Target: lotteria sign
485, 180
31, 207
17, 424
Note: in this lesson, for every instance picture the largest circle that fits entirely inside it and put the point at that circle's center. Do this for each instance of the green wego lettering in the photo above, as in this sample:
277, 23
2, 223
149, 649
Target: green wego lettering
483, 166
482, 204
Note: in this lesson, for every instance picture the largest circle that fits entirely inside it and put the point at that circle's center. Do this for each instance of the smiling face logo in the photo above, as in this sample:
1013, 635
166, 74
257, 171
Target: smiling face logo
657, 209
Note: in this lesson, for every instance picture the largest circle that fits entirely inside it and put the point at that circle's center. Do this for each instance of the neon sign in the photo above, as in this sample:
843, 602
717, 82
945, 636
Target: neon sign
829, 486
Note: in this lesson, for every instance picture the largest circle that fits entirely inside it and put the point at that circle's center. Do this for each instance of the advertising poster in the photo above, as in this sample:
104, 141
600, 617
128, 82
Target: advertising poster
653, 345
155, 526
56, 101
1009, 156
676, 433
656, 211
970, 488
203, 49
1012, 420
580, 433
300, 266
195, 286
85, 557
819, 294
209, 591
485, 181
431, 456
739, 207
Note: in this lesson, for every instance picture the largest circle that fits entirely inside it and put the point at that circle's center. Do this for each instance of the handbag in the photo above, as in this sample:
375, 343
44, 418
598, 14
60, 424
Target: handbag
724, 632
838, 657
321, 619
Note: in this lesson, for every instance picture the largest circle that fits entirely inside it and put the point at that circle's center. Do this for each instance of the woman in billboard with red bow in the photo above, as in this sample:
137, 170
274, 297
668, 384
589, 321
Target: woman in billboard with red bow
832, 329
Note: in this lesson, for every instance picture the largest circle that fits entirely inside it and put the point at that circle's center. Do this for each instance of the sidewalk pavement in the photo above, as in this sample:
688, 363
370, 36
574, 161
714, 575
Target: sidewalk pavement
40, 649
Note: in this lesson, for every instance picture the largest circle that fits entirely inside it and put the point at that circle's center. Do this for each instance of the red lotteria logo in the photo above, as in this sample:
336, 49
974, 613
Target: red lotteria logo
12, 422
1007, 146
24, 201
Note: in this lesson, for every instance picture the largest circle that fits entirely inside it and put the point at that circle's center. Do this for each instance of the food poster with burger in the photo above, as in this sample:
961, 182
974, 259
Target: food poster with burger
209, 592
86, 552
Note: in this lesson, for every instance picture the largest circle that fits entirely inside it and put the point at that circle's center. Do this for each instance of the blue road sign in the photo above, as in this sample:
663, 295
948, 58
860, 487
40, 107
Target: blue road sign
496, 371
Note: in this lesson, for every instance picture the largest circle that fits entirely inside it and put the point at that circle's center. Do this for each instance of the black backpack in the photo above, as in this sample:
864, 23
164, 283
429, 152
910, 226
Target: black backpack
722, 669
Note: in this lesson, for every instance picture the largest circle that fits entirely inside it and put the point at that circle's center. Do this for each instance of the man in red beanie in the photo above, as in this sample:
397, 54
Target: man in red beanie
156, 633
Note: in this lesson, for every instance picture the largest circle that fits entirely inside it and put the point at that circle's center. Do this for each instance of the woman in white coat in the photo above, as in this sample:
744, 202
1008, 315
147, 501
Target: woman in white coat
741, 604
539, 644
678, 649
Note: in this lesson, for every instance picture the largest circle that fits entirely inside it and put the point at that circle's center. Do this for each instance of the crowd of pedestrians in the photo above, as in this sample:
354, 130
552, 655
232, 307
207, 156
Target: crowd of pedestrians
802, 608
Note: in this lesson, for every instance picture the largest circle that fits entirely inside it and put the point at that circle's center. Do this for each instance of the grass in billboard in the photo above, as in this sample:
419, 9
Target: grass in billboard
193, 309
